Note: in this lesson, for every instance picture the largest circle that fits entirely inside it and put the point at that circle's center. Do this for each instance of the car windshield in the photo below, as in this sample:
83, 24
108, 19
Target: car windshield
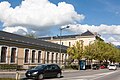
40, 67
112, 65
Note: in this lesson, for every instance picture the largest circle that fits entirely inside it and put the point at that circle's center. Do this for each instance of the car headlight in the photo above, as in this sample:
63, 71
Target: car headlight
35, 72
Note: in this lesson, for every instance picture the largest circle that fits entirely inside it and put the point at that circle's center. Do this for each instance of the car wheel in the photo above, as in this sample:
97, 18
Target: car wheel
40, 76
58, 75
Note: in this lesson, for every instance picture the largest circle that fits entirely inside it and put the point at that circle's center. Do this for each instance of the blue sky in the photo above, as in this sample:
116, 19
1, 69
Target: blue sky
100, 16
96, 11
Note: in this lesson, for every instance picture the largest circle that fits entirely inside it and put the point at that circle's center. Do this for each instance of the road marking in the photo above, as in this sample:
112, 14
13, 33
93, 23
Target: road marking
89, 77
102, 75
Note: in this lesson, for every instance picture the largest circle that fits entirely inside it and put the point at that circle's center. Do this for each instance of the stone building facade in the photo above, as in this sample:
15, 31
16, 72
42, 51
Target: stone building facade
26, 52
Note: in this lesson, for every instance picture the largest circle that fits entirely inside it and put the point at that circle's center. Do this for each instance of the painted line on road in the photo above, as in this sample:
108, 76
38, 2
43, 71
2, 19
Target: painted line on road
102, 75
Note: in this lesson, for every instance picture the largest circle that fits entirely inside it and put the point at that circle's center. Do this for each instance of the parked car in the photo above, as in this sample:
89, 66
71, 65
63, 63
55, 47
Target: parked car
44, 70
95, 66
112, 67
102, 67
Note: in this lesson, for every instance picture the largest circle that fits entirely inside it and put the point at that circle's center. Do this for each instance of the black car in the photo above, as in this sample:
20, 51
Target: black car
44, 70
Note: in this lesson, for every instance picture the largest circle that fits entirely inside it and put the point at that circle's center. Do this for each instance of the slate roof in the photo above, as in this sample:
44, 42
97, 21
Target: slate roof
87, 33
58, 37
11, 39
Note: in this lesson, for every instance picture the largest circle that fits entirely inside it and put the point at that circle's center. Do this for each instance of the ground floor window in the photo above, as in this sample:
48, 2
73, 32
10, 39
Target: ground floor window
39, 56
62, 58
3, 57
26, 56
13, 55
56, 57
33, 56
52, 58
48, 53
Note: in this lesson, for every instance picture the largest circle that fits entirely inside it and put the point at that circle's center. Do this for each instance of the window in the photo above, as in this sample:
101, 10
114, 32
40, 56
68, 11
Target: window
33, 56
55, 67
48, 57
13, 55
69, 44
56, 57
62, 43
62, 58
3, 54
52, 57
39, 56
26, 56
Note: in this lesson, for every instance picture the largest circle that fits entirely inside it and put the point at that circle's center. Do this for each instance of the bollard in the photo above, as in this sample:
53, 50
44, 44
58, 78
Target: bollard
17, 75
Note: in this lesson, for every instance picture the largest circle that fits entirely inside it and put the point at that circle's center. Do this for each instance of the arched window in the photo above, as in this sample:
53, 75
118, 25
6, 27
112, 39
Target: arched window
48, 53
13, 55
26, 59
3, 54
33, 56
56, 57
52, 57
39, 56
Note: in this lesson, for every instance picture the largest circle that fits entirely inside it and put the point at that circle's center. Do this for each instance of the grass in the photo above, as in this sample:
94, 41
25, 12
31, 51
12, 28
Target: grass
7, 79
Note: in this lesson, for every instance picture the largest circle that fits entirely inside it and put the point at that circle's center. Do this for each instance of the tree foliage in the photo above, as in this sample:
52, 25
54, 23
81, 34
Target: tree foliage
76, 51
31, 35
102, 51
99, 50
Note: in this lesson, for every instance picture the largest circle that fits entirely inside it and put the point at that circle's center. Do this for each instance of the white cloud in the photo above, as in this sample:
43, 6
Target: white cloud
38, 15
102, 29
116, 43
18, 30
110, 33
112, 39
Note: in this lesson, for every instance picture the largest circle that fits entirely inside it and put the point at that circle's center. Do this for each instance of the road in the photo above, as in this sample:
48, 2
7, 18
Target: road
91, 75
103, 74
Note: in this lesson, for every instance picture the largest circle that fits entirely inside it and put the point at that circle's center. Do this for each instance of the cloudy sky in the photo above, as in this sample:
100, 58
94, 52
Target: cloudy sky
45, 17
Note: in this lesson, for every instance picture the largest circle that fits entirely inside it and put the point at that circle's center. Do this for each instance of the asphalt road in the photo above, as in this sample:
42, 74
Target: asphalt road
103, 74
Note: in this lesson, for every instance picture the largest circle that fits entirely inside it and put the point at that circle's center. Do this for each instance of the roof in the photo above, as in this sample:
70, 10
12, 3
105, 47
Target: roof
58, 37
87, 33
11, 39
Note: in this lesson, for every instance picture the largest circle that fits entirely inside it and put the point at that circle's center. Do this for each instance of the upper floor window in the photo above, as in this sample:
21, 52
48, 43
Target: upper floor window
62, 43
69, 44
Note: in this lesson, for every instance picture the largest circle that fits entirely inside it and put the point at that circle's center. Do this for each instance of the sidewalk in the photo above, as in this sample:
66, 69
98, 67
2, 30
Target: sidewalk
23, 72
69, 70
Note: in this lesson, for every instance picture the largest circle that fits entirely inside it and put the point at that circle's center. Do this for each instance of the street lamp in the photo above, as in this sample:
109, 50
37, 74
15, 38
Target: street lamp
60, 41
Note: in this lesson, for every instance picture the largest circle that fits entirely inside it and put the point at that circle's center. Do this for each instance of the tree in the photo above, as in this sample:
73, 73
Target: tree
76, 51
102, 51
30, 35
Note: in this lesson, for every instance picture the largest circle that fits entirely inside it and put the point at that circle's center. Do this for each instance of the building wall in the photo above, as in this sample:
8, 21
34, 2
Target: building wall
19, 57
71, 41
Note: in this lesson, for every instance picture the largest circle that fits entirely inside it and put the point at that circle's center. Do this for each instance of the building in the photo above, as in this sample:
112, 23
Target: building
69, 40
26, 52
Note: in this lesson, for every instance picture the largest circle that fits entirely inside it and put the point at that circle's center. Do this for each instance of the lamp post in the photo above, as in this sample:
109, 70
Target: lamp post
60, 42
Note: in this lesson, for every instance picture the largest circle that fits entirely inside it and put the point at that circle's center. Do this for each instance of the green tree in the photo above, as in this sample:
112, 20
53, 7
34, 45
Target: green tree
102, 51
76, 51
31, 35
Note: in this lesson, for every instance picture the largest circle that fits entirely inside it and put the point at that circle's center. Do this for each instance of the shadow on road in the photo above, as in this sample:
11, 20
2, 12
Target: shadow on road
37, 79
